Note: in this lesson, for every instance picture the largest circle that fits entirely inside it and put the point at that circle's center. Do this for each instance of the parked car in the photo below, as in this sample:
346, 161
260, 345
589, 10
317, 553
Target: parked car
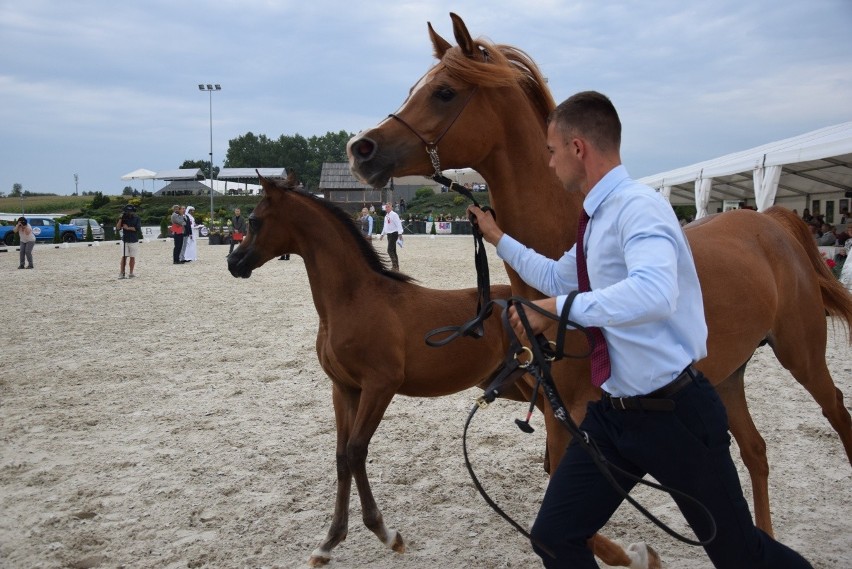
43, 231
97, 230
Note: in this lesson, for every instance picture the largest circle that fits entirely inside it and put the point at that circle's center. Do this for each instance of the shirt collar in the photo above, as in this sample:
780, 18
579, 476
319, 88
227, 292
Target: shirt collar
604, 188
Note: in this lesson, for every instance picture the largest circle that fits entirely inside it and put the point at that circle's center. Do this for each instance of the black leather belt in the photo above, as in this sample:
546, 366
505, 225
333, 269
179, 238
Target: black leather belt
658, 400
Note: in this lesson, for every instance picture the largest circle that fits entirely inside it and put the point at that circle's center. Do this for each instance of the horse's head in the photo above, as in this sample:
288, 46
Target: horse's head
265, 240
459, 105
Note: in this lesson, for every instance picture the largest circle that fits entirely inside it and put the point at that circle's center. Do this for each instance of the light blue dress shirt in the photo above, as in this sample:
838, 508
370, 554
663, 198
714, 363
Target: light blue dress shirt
645, 294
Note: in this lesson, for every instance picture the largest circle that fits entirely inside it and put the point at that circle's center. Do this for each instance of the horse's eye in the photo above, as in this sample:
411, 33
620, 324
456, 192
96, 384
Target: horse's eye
445, 94
254, 224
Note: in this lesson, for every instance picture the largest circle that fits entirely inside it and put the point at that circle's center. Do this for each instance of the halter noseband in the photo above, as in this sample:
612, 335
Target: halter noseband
432, 147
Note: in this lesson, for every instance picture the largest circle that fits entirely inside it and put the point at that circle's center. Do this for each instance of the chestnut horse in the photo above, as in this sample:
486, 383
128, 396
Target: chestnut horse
349, 281
762, 278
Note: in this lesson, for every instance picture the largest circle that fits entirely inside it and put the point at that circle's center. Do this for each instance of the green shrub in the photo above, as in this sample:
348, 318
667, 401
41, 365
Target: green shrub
56, 236
89, 236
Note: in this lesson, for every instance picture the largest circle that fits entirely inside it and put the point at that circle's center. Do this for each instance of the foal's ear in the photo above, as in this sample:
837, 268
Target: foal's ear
440, 44
462, 35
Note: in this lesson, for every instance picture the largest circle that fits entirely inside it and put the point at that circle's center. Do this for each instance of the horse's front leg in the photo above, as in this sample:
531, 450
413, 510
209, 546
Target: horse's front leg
345, 409
374, 403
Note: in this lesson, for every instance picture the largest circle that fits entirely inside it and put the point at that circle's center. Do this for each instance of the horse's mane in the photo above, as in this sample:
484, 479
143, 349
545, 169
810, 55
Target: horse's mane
504, 66
374, 261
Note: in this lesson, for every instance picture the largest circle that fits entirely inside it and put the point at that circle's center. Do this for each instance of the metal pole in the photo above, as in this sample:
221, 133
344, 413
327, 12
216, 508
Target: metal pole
210, 88
211, 156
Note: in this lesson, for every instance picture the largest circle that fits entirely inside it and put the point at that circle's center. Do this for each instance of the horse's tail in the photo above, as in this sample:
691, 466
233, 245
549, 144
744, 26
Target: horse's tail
836, 299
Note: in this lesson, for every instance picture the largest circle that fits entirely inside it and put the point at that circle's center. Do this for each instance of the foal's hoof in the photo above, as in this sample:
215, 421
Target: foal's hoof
397, 544
643, 556
318, 559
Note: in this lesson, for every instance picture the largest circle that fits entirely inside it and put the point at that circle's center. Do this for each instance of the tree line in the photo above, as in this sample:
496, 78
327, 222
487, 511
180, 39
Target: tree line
304, 155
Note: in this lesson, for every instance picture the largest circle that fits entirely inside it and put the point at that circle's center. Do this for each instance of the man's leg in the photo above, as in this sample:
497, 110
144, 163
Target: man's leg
689, 450
177, 248
392, 237
579, 500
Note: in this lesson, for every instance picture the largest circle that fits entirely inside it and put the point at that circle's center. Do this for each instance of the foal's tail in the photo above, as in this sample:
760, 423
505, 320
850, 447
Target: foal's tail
836, 299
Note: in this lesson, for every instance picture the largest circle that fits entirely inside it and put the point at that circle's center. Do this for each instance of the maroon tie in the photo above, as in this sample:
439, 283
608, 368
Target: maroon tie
600, 355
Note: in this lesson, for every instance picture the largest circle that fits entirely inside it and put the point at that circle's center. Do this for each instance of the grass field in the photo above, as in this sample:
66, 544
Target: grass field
45, 204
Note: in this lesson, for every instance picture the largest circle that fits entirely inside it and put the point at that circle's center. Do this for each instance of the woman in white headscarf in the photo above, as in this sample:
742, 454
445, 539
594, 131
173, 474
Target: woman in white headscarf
191, 251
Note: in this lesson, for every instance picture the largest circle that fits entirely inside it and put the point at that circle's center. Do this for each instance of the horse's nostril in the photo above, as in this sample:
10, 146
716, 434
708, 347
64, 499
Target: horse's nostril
365, 148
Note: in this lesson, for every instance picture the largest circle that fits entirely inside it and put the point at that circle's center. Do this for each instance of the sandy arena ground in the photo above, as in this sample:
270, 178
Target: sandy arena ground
181, 420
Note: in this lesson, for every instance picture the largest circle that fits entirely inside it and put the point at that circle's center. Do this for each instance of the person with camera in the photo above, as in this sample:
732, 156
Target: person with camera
27, 237
130, 227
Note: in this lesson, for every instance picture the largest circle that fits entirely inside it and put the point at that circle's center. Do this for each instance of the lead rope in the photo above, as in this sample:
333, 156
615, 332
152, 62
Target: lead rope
543, 353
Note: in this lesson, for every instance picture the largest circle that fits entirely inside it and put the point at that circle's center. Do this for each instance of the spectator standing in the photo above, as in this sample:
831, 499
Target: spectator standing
190, 245
366, 221
130, 227
238, 229
28, 240
393, 229
177, 228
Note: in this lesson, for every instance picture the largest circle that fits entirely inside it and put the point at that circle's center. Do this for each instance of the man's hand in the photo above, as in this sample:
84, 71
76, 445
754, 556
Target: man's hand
486, 224
538, 322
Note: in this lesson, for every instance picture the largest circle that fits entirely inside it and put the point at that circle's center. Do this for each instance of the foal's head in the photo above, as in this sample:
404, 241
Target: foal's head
290, 220
460, 103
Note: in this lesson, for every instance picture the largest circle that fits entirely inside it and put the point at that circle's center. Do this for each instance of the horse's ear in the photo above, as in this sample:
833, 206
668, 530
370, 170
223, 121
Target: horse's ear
462, 35
441, 45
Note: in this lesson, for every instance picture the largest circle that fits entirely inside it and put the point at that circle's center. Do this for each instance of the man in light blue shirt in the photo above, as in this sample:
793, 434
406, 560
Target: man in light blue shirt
658, 415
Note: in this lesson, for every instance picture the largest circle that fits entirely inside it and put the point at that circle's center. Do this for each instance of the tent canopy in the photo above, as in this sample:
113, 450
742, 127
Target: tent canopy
140, 174
180, 174
817, 162
250, 173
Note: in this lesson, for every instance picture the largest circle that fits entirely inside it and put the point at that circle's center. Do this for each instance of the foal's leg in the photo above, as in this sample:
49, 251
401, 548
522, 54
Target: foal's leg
374, 403
752, 446
345, 408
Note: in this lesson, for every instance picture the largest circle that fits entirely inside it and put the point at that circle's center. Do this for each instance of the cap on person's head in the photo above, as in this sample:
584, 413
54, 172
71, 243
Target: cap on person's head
175, 207
129, 208
190, 208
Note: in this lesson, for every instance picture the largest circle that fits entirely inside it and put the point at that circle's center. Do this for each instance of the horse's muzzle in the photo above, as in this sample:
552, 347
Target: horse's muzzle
240, 264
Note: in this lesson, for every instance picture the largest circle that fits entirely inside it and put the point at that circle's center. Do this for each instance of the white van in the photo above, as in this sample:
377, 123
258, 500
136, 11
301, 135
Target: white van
97, 230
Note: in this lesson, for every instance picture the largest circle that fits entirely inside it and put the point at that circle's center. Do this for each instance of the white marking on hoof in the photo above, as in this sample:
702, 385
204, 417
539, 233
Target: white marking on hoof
638, 554
319, 557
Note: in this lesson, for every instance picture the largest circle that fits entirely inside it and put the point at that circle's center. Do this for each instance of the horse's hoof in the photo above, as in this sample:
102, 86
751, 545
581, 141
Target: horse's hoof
397, 544
319, 559
643, 556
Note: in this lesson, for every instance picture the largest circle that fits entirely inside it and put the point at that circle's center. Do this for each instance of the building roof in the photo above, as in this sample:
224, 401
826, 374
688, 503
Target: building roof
337, 176
250, 173
180, 174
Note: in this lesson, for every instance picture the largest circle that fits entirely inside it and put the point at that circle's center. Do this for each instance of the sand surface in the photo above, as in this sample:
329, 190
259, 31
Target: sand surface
181, 419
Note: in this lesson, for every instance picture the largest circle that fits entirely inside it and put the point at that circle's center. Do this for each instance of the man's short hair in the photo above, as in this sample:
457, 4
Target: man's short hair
589, 115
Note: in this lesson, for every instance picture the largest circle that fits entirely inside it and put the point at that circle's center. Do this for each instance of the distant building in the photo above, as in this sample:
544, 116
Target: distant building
345, 190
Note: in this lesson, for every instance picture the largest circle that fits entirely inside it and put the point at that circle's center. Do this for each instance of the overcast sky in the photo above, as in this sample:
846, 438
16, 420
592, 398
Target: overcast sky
100, 88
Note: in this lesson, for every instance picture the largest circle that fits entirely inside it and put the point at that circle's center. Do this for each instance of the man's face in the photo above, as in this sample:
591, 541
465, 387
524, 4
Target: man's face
564, 158
237, 212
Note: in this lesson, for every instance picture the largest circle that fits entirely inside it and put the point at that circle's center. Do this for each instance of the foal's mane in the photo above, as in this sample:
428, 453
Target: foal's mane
503, 66
366, 249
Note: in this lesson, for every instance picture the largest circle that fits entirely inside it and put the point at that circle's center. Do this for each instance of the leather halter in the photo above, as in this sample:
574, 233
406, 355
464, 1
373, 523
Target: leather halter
432, 147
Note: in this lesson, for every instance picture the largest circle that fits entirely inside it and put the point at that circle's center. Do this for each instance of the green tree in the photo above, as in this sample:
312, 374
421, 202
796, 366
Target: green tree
56, 238
204, 165
99, 200
16, 190
89, 236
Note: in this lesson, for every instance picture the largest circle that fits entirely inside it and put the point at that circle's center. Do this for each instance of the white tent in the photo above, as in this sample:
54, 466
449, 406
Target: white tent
792, 171
141, 174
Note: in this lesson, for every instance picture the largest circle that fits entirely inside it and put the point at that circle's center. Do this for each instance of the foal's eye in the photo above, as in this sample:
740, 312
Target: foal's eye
445, 94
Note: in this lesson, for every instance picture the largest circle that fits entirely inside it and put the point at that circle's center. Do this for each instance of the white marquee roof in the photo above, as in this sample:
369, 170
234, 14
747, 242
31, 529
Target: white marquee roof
812, 163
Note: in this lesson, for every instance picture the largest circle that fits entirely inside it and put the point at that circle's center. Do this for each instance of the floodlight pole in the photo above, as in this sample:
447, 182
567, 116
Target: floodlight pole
210, 88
